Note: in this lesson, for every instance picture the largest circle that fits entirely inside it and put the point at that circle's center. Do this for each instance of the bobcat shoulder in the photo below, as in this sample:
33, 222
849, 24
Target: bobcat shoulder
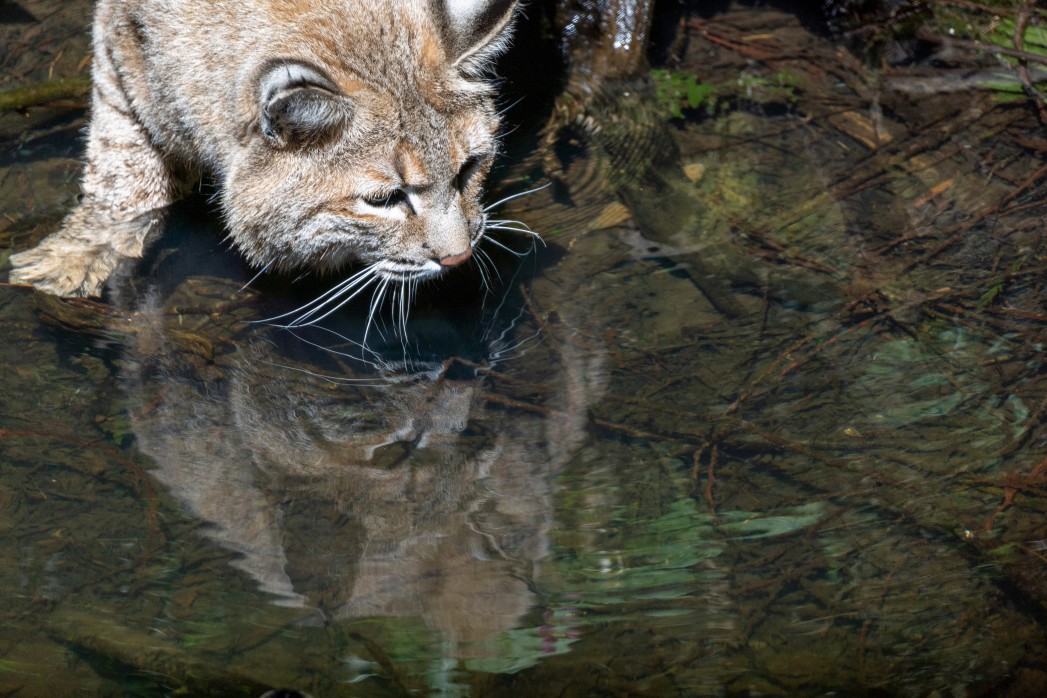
337, 131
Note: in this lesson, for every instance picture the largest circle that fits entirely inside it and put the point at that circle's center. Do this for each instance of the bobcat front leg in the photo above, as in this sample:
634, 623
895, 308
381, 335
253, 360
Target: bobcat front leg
126, 184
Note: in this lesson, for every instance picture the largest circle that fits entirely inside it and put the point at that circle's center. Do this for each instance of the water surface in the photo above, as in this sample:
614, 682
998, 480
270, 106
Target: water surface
792, 447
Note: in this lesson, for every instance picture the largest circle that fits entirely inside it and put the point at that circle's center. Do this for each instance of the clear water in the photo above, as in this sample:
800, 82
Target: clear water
587, 479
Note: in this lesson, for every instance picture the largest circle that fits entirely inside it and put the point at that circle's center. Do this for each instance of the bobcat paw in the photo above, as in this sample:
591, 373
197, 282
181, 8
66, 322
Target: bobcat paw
57, 267
77, 260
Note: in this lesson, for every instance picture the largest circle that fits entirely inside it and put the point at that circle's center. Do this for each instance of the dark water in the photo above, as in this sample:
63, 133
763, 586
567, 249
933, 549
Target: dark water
566, 474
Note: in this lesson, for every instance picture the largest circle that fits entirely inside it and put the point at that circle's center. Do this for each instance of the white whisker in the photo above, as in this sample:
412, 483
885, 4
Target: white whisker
516, 196
481, 266
403, 307
301, 321
361, 382
491, 261
506, 109
507, 221
517, 231
325, 298
255, 277
373, 364
376, 302
506, 248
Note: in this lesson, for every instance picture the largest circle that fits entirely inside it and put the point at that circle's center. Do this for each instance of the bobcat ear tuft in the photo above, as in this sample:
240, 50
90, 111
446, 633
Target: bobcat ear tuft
475, 31
299, 105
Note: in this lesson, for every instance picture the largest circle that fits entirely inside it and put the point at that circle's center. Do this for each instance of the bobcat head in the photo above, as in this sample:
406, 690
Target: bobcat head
368, 142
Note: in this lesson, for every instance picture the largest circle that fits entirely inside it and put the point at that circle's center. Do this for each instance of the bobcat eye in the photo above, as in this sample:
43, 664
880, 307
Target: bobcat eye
469, 169
390, 199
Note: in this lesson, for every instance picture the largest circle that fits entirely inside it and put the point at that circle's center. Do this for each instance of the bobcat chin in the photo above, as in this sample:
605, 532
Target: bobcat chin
337, 130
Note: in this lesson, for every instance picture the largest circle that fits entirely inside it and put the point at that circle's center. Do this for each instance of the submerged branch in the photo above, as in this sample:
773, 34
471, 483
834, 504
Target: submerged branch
42, 93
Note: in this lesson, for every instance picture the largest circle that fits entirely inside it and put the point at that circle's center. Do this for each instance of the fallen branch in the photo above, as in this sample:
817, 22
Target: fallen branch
32, 95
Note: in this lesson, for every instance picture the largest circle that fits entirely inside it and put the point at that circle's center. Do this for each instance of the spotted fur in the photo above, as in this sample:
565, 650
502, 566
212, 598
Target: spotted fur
337, 130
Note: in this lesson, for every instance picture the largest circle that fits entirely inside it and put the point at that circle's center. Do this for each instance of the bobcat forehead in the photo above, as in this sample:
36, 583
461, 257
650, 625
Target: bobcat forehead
411, 166
338, 130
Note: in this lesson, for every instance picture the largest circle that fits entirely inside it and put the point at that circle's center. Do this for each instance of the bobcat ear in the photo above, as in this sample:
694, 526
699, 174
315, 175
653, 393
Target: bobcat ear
475, 31
299, 105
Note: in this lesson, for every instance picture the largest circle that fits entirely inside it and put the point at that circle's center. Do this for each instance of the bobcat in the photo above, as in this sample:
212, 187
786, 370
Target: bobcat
337, 131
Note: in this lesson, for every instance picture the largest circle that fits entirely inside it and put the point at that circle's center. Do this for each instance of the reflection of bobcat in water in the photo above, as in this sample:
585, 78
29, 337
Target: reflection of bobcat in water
401, 495
337, 130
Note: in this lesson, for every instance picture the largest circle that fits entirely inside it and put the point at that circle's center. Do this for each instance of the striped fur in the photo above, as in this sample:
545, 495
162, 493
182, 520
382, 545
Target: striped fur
338, 130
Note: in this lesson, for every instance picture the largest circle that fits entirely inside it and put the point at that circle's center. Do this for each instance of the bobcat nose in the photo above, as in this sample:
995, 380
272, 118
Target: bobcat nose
453, 260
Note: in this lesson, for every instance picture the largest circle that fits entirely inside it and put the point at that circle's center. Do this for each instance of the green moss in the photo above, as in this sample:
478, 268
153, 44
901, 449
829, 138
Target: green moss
677, 90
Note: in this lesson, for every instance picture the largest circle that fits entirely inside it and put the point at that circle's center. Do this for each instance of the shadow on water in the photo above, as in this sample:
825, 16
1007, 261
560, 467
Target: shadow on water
753, 433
